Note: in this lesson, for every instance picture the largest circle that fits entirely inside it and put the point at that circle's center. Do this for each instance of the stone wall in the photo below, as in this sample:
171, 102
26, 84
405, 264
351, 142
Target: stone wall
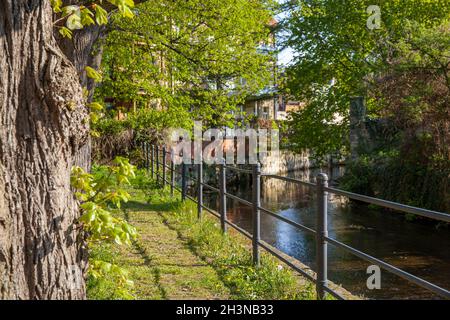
286, 161
359, 137
367, 134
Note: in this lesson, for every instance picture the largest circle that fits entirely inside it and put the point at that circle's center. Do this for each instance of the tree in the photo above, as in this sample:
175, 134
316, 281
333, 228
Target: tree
413, 96
44, 132
44, 127
338, 57
401, 68
189, 55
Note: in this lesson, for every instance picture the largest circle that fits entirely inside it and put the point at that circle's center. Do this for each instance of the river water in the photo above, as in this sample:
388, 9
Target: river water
414, 246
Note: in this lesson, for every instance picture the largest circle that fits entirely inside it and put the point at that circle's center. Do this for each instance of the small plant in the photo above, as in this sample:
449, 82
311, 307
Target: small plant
146, 184
99, 194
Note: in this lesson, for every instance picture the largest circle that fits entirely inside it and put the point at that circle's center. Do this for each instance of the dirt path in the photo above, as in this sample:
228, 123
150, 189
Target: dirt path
162, 265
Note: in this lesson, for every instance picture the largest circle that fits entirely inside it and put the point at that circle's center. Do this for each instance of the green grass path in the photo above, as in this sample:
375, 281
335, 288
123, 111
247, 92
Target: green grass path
162, 265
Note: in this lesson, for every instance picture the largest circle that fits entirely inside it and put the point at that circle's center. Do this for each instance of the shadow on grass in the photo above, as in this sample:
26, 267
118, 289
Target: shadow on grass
140, 249
135, 206
220, 268
154, 268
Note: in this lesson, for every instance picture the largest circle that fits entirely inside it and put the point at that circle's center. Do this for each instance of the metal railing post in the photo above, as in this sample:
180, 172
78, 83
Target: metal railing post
322, 232
183, 181
143, 152
164, 166
144, 155
153, 160
256, 195
222, 197
147, 156
200, 189
172, 173
157, 164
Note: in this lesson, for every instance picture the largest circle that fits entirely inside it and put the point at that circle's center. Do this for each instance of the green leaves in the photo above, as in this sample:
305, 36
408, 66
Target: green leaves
206, 46
99, 269
68, 10
93, 74
73, 22
73, 17
99, 192
56, 5
126, 11
333, 45
124, 7
81, 180
103, 227
65, 32
95, 115
86, 17
95, 106
79, 16
101, 16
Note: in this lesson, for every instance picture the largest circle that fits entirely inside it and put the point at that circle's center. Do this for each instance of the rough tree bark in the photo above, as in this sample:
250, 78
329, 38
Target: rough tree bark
43, 126
80, 51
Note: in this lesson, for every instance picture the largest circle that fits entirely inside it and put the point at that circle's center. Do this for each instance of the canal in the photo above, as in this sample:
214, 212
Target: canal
416, 246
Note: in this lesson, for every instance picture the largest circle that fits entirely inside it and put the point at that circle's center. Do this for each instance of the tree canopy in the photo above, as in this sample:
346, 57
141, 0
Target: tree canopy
337, 57
201, 57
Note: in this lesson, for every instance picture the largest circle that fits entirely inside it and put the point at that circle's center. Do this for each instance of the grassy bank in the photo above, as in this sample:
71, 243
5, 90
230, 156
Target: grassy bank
230, 255
169, 230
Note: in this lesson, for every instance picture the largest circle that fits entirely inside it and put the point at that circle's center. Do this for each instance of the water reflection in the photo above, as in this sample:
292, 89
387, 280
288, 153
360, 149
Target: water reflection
418, 248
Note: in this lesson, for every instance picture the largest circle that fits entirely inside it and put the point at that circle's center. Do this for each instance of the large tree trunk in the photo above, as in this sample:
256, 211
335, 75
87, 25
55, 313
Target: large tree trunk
81, 52
43, 126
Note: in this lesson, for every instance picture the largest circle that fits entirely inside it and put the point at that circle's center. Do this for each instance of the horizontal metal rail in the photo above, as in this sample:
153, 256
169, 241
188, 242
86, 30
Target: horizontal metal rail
264, 245
292, 223
287, 179
271, 250
234, 226
214, 213
210, 187
334, 293
239, 169
248, 235
322, 189
239, 229
177, 188
388, 267
191, 198
243, 201
392, 205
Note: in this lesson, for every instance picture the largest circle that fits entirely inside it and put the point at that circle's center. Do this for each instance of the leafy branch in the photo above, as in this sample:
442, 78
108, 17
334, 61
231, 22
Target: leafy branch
77, 17
98, 194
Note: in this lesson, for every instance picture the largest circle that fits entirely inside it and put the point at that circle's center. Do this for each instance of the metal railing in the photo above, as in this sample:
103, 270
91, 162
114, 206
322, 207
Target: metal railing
153, 154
